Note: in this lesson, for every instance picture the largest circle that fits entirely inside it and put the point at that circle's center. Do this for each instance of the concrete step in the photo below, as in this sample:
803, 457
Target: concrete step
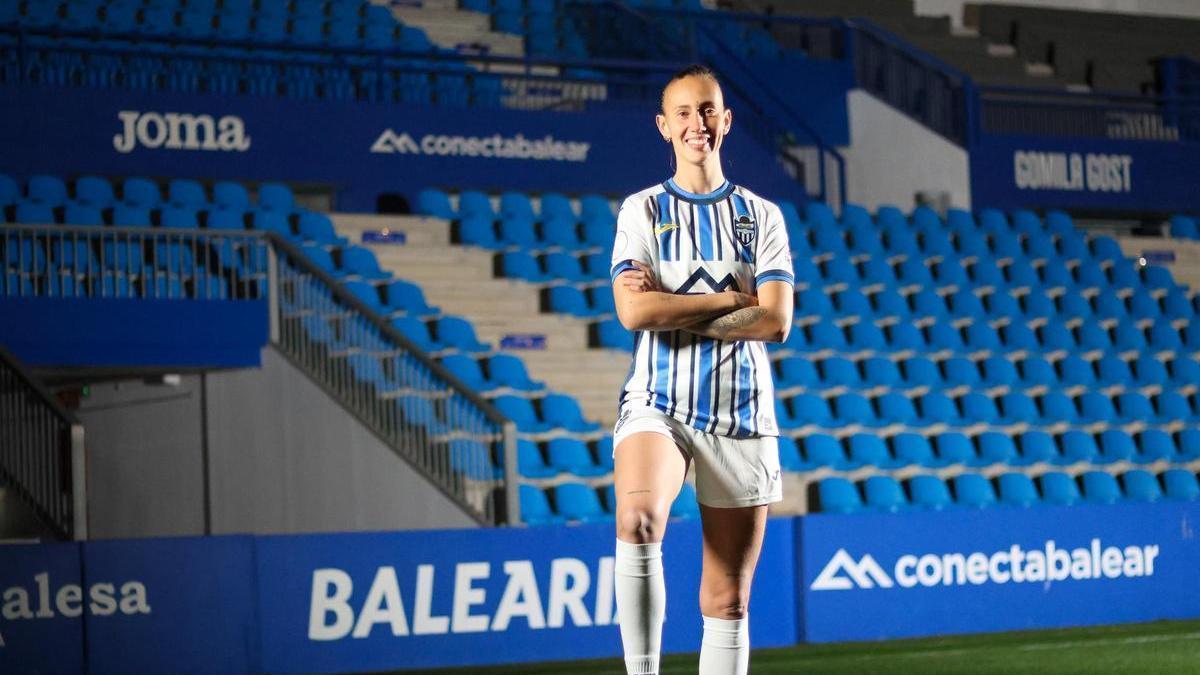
419, 231
454, 27
433, 265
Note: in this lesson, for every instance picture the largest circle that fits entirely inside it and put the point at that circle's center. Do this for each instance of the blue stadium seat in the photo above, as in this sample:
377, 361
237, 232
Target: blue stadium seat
509, 371
90, 190
10, 192
535, 507
477, 230
1035, 447
568, 300
789, 455
921, 372
828, 335
225, 219
179, 217
999, 372
407, 297
46, 189
978, 408
1055, 336
825, 450
1114, 371
1155, 445
869, 449
142, 192
896, 408
912, 448
838, 495
611, 334
271, 221
1100, 487
1077, 446
851, 408
458, 333
366, 292
1141, 486
936, 408
317, 227
973, 490
596, 208
944, 336
884, 494
929, 493
837, 371
566, 267
38, 213
960, 372
1184, 371
890, 304
1059, 489
361, 261
797, 372
563, 411
1181, 485
572, 456
995, 448
880, 372
954, 448
1095, 407
1115, 446
518, 231
1164, 337
467, 369
522, 265
520, 411
1017, 489
928, 304
1038, 372
1075, 372
417, 331
435, 203
1018, 337
685, 504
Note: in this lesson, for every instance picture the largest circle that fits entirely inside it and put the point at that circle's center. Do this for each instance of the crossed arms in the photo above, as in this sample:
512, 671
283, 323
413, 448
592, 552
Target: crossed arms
729, 315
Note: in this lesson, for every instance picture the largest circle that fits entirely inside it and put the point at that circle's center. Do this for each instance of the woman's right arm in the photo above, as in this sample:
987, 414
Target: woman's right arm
642, 305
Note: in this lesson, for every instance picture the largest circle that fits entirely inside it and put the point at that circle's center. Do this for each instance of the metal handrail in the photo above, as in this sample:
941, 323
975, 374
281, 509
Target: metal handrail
508, 428
62, 508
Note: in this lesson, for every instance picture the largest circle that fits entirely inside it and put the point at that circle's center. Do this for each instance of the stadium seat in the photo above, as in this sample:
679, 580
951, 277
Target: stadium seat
467, 369
1077, 446
458, 333
1017, 489
1059, 489
912, 448
611, 334
954, 448
407, 297
572, 456
520, 411
929, 493
869, 449
973, 490
509, 371
478, 230
1181, 485
91, 190
884, 494
535, 507
1115, 446
1141, 486
960, 372
824, 450
995, 448
936, 408
360, 261
435, 203
576, 501
921, 372
796, 371
563, 411
1100, 487
685, 504
978, 408
838, 495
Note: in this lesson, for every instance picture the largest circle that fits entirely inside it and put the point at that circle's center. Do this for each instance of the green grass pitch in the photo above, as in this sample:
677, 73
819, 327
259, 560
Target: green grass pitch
1160, 647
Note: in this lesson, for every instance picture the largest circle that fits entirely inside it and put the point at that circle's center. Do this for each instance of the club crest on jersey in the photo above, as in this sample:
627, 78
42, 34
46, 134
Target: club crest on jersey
744, 228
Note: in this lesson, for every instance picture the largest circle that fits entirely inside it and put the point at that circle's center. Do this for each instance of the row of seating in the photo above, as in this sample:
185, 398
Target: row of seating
101, 192
973, 408
819, 450
980, 338
884, 494
577, 502
1031, 372
995, 306
552, 207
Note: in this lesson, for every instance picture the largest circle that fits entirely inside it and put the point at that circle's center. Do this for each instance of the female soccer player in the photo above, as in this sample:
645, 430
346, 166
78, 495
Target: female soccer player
701, 271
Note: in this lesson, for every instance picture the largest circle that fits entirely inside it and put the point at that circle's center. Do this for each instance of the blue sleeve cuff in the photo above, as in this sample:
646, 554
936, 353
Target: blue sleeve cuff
774, 275
621, 267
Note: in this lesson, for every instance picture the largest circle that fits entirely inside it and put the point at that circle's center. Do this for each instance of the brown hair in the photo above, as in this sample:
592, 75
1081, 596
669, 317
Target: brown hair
694, 70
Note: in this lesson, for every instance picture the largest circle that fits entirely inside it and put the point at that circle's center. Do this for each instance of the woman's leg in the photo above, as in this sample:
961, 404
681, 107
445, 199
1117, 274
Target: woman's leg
732, 541
648, 471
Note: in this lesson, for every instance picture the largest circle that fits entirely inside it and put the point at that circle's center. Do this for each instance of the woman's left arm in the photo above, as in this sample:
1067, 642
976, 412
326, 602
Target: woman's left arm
770, 321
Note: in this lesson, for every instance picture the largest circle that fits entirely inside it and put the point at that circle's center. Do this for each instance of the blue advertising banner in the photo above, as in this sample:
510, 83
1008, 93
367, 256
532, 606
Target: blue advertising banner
1009, 172
361, 149
42, 599
870, 577
174, 605
129, 332
451, 598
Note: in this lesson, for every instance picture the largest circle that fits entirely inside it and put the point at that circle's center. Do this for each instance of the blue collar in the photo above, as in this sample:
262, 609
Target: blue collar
710, 198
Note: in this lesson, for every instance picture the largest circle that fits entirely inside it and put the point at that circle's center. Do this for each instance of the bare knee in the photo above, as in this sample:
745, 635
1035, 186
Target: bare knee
730, 602
641, 525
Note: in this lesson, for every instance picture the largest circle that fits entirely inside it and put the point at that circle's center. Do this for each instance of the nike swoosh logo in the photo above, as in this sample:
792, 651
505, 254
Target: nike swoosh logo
666, 227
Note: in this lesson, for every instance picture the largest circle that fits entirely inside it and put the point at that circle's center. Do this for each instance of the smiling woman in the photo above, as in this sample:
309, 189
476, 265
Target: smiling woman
701, 271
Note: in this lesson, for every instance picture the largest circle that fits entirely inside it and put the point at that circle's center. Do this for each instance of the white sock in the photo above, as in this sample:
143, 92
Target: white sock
641, 604
725, 649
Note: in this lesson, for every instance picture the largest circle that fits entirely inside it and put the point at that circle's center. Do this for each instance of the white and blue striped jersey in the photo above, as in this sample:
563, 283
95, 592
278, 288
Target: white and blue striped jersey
727, 239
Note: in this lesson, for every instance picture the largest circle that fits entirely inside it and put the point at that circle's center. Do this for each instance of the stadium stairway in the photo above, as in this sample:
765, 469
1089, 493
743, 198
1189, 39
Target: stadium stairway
448, 26
460, 280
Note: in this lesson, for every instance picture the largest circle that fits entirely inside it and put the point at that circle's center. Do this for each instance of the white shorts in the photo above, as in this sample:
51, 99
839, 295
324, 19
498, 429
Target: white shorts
730, 472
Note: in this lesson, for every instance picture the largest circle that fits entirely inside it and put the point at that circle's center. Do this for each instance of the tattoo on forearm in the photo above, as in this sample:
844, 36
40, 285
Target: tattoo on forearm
637, 492
726, 324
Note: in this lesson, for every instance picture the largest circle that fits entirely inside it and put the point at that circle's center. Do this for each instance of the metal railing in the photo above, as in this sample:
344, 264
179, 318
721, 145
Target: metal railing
447, 432
1112, 116
41, 452
131, 262
139, 62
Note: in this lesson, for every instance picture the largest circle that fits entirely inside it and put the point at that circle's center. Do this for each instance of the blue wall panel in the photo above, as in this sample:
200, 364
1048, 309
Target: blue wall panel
128, 332
42, 601
870, 577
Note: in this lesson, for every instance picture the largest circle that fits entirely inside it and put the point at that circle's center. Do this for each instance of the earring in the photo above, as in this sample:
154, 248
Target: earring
667, 139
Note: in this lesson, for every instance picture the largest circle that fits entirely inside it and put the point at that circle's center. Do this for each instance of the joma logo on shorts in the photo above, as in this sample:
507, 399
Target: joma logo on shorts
180, 131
